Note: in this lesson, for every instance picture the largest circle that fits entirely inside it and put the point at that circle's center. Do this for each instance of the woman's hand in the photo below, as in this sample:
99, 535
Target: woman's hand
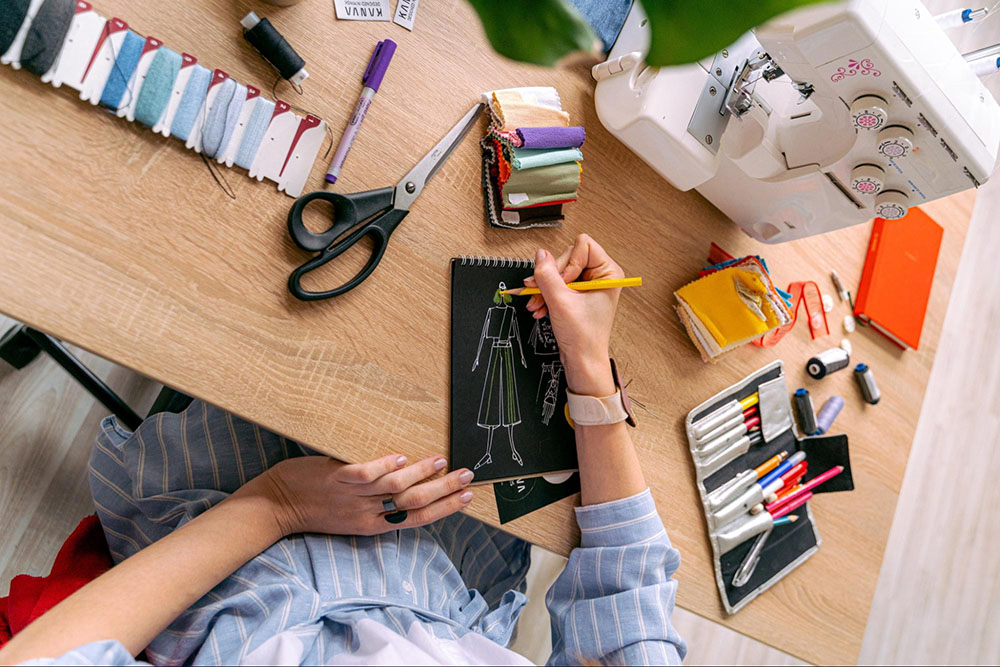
581, 321
315, 494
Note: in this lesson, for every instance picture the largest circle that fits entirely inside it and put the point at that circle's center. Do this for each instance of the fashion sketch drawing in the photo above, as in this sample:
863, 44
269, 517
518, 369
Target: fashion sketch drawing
543, 342
498, 406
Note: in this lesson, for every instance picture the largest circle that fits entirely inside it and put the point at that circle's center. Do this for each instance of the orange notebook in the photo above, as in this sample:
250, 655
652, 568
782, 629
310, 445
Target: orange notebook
898, 274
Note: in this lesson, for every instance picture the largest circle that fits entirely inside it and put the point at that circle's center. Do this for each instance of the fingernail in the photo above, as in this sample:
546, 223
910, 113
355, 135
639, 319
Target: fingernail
440, 463
540, 255
466, 477
401, 461
466, 497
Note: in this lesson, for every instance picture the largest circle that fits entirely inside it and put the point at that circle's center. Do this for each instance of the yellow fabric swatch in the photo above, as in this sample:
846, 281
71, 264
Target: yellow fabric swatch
514, 111
716, 302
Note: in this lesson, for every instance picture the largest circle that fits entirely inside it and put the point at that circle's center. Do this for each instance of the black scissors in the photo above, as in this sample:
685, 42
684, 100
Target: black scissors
374, 213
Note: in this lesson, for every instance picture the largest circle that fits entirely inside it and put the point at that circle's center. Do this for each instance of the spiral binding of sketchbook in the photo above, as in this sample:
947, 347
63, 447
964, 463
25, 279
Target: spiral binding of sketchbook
494, 261
507, 386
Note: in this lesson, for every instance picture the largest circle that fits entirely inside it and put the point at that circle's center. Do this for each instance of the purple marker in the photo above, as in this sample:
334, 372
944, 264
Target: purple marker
372, 79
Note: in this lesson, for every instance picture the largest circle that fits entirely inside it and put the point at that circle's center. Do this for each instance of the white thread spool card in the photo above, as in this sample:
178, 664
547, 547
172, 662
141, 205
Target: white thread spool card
301, 155
274, 146
227, 153
138, 78
194, 139
81, 38
12, 56
102, 60
180, 83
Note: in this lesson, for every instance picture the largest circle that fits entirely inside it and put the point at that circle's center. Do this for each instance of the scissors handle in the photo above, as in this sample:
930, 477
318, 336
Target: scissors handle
348, 210
379, 230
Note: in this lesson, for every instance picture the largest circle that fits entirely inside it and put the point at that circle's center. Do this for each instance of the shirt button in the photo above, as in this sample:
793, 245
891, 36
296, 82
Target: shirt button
407, 587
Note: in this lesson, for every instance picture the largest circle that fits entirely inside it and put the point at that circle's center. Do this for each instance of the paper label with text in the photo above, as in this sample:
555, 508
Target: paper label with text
406, 13
363, 10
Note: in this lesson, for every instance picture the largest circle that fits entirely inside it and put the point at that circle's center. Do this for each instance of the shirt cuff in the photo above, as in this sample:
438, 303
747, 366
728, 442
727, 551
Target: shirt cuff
621, 522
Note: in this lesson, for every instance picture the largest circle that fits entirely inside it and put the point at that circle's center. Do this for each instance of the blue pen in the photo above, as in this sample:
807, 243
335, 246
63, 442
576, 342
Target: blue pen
787, 465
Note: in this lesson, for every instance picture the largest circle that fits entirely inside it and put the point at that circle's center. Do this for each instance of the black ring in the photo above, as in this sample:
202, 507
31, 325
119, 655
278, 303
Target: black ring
396, 517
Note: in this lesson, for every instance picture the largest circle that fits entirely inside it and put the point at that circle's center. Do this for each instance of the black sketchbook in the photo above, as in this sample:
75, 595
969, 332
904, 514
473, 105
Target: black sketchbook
508, 399
517, 497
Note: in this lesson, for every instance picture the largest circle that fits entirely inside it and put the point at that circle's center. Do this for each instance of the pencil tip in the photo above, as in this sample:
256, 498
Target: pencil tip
793, 518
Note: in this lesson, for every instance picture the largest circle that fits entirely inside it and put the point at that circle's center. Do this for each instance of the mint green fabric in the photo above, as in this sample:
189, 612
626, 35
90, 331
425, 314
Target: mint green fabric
529, 158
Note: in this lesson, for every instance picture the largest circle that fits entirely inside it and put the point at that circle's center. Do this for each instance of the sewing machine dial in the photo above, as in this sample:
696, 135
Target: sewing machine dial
895, 141
891, 205
867, 179
869, 112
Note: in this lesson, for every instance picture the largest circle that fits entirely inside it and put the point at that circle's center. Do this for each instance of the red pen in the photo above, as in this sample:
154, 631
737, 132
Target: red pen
806, 488
796, 472
789, 480
800, 500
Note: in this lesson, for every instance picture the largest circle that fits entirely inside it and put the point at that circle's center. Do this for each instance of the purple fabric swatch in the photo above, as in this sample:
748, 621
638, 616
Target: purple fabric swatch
552, 137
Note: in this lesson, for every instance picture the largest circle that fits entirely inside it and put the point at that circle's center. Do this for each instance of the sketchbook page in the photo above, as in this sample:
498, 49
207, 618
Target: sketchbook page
517, 497
508, 387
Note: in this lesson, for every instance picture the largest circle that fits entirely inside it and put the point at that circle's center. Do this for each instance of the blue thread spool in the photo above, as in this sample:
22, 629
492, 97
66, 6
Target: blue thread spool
829, 412
866, 381
804, 408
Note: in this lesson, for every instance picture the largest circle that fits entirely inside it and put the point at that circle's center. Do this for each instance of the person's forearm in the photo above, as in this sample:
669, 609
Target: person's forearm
609, 467
137, 599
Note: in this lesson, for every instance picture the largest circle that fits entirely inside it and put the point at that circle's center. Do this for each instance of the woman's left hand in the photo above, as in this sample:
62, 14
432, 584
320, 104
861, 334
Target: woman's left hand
314, 494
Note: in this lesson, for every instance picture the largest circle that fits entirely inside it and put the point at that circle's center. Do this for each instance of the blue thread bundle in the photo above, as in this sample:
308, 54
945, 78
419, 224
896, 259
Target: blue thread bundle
254, 134
232, 117
155, 92
125, 64
191, 101
44, 41
215, 123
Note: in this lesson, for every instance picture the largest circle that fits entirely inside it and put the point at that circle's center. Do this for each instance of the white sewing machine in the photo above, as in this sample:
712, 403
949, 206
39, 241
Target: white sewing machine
819, 119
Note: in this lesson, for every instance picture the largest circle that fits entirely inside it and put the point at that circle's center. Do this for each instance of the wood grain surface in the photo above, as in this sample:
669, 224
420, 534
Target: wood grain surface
121, 242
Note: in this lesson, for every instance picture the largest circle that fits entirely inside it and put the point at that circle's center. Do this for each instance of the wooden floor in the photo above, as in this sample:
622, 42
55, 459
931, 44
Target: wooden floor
938, 599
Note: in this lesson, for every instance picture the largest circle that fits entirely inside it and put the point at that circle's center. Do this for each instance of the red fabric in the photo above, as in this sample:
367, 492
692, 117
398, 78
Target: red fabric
82, 557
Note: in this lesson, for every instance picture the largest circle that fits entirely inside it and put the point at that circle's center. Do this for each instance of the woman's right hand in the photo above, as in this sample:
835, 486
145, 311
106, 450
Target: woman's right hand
581, 321
315, 494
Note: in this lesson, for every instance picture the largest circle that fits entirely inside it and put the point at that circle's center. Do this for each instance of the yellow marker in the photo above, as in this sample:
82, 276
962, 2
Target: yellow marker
750, 401
582, 286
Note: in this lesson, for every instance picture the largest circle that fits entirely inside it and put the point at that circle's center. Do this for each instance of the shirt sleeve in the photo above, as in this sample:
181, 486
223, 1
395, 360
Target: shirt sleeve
614, 600
103, 652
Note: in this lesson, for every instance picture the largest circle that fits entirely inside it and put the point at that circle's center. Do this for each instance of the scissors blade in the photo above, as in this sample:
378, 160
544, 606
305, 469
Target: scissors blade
413, 183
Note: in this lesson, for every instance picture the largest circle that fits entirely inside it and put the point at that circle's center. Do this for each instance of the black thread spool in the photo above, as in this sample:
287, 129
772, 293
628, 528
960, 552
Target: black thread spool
274, 48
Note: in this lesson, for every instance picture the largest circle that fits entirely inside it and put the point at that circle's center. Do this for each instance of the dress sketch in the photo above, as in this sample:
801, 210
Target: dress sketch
543, 342
553, 371
498, 406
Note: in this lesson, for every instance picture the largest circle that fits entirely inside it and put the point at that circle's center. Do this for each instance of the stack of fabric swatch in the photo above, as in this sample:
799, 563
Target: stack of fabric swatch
531, 158
733, 303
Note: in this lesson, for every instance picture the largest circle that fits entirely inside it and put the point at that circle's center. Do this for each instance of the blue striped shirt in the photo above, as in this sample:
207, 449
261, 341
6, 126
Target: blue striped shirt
316, 598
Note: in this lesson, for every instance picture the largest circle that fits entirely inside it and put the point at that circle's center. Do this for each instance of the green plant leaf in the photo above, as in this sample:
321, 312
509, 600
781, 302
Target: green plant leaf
683, 31
534, 31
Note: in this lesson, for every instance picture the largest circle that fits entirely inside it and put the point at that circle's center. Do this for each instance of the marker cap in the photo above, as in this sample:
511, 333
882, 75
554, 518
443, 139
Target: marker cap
379, 63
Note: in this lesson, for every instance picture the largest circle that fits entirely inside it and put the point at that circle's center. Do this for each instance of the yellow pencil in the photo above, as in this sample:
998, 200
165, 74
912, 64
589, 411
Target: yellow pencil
581, 286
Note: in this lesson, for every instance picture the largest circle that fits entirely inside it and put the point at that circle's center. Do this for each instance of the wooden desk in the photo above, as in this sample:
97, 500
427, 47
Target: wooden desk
119, 241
